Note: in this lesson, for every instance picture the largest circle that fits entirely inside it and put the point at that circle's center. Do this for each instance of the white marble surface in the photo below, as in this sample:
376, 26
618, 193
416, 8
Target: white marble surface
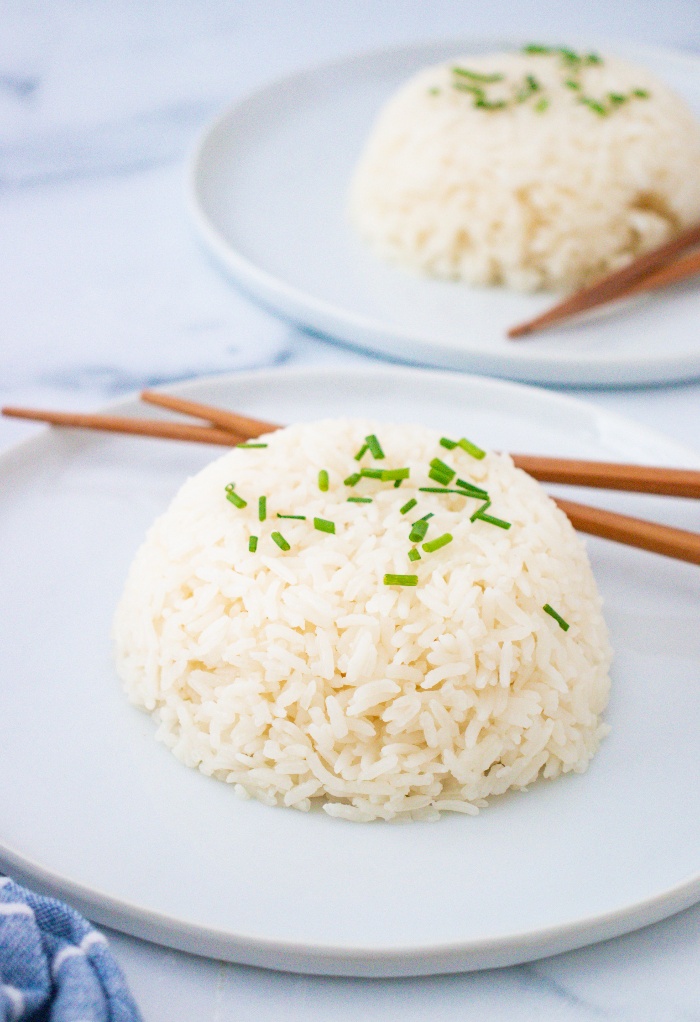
104, 290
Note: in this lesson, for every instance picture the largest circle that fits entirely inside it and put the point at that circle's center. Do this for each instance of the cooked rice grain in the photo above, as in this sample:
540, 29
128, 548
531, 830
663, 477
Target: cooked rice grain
300, 678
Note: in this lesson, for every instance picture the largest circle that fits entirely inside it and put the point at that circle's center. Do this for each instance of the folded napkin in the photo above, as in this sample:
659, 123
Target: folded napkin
54, 966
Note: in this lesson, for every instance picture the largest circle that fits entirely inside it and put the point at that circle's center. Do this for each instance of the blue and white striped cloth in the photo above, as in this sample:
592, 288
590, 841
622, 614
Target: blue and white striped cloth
54, 966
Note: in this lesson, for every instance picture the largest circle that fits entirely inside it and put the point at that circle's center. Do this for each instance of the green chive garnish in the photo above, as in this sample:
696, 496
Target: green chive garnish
281, 542
434, 91
470, 448
233, 496
439, 477
408, 505
472, 490
414, 554
426, 517
435, 544
536, 48
300, 518
253, 544
617, 98
323, 525
372, 473
353, 480
564, 625
400, 580
640, 93
363, 450
442, 469
397, 483
541, 105
244, 446
571, 84
387, 474
262, 508
594, 105
448, 489
375, 448
477, 76
449, 444
418, 531
480, 515
323, 480
359, 500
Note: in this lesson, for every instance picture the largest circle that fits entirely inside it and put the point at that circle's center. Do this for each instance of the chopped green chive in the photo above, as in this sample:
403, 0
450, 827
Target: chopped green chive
442, 469
593, 58
323, 525
477, 76
400, 580
375, 448
447, 489
323, 480
426, 517
253, 544
471, 489
480, 510
233, 496
640, 93
281, 542
616, 98
570, 83
438, 476
564, 625
532, 82
418, 530
244, 446
353, 480
387, 474
397, 483
408, 505
436, 544
541, 105
372, 473
300, 518
362, 451
470, 448
434, 91
537, 48
481, 516
414, 554
449, 444
594, 105
475, 90
359, 500
485, 104
262, 508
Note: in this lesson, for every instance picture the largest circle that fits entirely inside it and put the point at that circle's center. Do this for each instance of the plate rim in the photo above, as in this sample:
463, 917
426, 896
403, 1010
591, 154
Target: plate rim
337, 324
345, 960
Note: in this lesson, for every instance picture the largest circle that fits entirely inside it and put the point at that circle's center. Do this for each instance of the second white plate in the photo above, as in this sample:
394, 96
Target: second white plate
95, 810
268, 193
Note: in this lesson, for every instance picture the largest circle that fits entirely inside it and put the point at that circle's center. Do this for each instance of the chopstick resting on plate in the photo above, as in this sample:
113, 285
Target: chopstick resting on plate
230, 429
661, 266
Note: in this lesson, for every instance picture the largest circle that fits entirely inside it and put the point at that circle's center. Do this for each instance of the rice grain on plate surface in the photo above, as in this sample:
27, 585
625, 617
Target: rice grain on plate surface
299, 675
588, 163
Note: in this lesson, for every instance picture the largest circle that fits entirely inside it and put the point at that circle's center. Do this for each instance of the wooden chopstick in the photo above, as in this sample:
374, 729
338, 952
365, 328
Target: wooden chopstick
242, 425
124, 424
608, 475
634, 532
616, 285
671, 482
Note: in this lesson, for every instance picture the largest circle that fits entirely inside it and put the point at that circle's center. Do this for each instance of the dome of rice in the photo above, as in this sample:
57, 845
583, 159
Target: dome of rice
303, 673
540, 169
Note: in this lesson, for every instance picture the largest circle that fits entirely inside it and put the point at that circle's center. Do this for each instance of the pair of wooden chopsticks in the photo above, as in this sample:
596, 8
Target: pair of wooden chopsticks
663, 265
228, 429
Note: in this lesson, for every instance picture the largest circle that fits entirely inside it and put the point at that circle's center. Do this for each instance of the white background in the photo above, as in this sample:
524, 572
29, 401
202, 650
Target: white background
104, 290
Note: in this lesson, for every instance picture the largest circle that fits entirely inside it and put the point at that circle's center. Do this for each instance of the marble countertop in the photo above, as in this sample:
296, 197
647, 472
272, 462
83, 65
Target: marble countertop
105, 290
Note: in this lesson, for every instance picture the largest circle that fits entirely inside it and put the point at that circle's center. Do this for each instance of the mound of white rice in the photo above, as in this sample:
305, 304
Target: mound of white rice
568, 180
300, 675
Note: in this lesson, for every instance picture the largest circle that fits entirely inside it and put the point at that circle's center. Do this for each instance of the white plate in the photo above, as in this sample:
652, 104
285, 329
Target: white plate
97, 811
268, 195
